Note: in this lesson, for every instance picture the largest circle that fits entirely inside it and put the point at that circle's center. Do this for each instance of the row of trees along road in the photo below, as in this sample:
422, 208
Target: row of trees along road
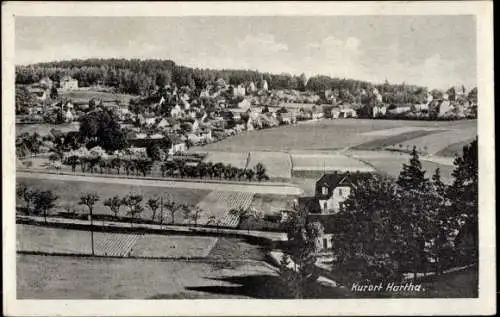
42, 201
173, 168
387, 228
45, 200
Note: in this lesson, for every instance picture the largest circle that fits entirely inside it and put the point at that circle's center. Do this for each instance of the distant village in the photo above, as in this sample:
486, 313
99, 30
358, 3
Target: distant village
190, 117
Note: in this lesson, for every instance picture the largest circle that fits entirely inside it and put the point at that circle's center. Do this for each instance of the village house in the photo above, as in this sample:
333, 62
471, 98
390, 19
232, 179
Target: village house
238, 91
244, 104
334, 188
192, 113
149, 121
205, 93
251, 87
460, 91
142, 140
377, 95
36, 110
379, 111
335, 112
347, 113
429, 98
176, 112
163, 123
185, 104
66, 109
399, 109
316, 115
287, 118
421, 107
68, 83
444, 107
178, 145
203, 135
264, 85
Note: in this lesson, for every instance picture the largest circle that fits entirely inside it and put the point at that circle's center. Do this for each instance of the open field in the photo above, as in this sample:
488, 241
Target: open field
270, 204
53, 240
382, 143
173, 246
327, 162
59, 277
454, 149
44, 128
439, 143
332, 134
390, 164
83, 95
41, 239
236, 159
278, 164
220, 203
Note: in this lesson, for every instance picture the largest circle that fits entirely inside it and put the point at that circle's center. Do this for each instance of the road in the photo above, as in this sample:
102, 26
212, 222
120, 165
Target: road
267, 188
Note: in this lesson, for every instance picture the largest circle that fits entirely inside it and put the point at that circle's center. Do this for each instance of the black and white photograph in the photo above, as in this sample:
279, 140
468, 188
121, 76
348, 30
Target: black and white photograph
249, 156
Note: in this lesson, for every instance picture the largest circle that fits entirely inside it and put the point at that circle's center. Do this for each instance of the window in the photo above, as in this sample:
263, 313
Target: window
325, 206
325, 243
340, 191
325, 190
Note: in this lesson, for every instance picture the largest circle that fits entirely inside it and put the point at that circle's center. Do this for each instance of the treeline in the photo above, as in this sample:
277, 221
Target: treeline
387, 230
142, 76
42, 202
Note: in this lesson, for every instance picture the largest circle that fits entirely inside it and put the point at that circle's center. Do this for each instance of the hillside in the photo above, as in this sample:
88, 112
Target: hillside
143, 76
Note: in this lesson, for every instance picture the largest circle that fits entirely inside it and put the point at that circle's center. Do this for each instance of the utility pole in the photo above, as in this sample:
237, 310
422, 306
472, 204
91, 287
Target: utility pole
91, 231
161, 212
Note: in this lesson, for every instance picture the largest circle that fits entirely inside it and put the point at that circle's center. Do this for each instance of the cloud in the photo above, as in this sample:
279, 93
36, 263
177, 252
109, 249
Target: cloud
261, 44
332, 44
335, 57
350, 59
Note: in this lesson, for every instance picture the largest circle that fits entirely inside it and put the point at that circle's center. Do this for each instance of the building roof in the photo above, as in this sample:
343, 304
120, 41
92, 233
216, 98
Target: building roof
333, 180
67, 78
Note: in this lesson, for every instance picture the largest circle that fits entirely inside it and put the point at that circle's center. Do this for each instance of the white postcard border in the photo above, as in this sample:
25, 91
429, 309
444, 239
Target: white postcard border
485, 304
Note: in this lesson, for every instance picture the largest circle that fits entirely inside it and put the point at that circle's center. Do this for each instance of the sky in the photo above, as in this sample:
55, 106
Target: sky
433, 51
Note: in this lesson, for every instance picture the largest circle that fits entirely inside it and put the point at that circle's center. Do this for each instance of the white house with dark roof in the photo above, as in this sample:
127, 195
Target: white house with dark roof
334, 188
68, 83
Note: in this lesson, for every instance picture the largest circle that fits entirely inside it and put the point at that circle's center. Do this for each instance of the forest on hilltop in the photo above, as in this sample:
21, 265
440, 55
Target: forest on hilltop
142, 77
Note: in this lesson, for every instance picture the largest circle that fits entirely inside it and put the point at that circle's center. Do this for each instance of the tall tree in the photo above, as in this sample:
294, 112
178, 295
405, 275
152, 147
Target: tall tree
261, 172
153, 151
369, 240
412, 176
244, 215
153, 204
298, 263
134, 204
463, 195
26, 194
44, 201
173, 208
114, 203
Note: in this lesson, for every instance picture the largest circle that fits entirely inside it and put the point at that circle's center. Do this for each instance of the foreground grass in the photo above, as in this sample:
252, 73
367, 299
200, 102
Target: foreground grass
60, 277
41, 239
